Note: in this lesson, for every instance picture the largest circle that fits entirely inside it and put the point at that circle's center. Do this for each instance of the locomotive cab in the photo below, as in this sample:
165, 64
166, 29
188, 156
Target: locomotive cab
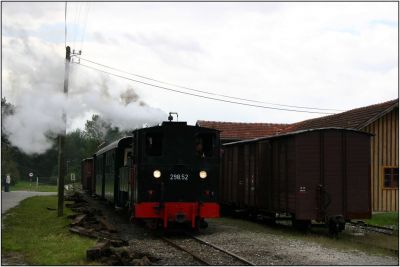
176, 173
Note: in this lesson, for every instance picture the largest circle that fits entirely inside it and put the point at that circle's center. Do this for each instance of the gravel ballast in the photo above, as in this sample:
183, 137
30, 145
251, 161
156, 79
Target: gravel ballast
260, 244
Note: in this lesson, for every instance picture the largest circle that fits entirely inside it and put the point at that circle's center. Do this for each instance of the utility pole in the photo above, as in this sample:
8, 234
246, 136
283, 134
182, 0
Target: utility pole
61, 140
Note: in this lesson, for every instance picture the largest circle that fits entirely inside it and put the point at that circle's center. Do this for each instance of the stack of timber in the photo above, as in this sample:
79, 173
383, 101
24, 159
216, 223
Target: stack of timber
109, 249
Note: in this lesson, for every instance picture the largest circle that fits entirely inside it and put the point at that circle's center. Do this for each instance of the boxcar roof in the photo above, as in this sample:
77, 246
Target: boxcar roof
295, 133
111, 145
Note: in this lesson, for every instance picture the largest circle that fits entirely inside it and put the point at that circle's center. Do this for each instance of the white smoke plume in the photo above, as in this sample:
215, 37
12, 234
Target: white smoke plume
33, 78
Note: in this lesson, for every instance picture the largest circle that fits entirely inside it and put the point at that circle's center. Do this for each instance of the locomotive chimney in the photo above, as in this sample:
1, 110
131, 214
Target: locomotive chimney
170, 118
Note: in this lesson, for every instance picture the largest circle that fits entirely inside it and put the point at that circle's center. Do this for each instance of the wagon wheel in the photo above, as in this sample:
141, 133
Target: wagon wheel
301, 225
269, 218
336, 225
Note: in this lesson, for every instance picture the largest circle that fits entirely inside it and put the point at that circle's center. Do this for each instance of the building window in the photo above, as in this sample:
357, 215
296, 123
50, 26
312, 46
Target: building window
391, 177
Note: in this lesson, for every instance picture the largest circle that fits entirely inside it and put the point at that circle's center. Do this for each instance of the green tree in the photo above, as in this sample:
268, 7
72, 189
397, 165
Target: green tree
96, 128
8, 164
101, 131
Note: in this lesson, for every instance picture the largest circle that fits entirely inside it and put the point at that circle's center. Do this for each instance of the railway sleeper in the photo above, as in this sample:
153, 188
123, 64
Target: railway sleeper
334, 223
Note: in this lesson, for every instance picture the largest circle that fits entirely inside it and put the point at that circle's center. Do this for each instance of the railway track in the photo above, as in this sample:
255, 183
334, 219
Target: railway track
206, 253
373, 228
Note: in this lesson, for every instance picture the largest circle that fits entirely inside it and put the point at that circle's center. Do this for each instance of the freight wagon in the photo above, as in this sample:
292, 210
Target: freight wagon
318, 174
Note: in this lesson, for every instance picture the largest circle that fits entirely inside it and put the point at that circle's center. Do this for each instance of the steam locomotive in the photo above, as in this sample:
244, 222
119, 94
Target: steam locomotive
164, 175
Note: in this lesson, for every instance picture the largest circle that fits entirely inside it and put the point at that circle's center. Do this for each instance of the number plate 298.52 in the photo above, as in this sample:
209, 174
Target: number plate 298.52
179, 177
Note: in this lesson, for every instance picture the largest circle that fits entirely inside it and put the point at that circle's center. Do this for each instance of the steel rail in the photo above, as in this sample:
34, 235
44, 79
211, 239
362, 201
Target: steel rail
194, 255
223, 250
377, 229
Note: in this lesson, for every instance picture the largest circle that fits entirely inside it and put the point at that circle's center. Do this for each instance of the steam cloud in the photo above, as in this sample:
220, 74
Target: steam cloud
33, 77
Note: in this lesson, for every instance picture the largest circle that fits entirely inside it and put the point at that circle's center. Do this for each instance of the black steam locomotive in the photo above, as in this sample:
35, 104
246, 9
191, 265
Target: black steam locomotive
163, 174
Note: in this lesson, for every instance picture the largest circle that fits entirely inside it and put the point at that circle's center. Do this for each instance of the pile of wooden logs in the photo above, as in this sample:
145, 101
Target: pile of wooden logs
113, 254
110, 249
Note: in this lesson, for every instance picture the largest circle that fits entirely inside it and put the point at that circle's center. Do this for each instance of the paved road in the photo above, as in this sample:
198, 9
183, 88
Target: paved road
13, 198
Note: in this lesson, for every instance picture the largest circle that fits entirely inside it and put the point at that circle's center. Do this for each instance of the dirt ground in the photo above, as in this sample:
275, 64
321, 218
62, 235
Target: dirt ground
12, 259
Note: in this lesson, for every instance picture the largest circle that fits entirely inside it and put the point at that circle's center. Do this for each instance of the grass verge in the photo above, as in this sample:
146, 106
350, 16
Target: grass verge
26, 186
386, 219
40, 236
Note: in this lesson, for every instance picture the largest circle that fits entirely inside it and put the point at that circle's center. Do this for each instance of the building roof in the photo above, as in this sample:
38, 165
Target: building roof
296, 133
353, 119
242, 131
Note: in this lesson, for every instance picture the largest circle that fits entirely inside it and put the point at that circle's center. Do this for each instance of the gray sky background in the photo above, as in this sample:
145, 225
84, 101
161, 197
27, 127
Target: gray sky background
324, 55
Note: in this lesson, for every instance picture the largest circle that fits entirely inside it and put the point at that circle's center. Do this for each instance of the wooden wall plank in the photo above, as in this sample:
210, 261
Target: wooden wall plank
397, 137
394, 147
380, 154
392, 200
368, 129
376, 175
390, 155
385, 121
393, 135
373, 168
388, 123
378, 188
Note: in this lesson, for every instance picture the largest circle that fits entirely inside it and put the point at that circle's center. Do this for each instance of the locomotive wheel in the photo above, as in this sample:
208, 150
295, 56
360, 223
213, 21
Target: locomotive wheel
200, 224
131, 218
152, 224
203, 224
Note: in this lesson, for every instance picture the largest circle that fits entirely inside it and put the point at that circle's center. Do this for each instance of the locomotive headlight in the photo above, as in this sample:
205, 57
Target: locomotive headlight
203, 174
157, 174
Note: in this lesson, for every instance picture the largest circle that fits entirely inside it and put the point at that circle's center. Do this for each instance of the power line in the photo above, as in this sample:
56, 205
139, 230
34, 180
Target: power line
201, 96
85, 24
205, 92
65, 21
73, 31
77, 22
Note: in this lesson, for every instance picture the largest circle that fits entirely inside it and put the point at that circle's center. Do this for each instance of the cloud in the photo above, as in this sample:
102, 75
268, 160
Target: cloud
159, 40
330, 55
30, 16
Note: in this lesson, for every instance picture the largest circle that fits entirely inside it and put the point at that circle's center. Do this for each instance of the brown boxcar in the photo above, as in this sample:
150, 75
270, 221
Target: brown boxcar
87, 175
319, 174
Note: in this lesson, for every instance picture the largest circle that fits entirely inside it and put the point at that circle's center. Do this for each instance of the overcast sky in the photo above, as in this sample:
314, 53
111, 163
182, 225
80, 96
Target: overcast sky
322, 55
